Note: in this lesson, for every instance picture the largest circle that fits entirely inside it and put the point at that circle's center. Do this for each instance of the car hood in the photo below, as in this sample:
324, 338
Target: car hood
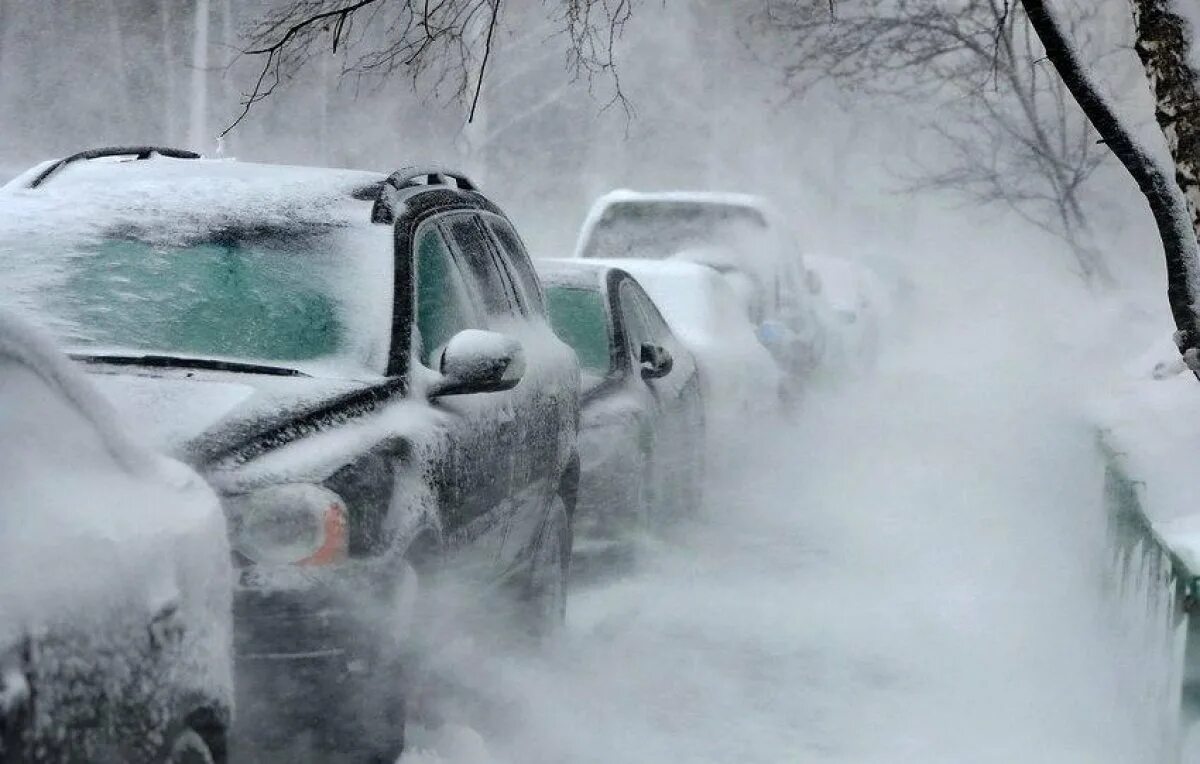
196, 415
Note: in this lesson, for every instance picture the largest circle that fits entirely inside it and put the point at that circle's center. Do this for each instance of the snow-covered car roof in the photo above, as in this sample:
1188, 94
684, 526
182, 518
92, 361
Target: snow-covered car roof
733, 200
185, 188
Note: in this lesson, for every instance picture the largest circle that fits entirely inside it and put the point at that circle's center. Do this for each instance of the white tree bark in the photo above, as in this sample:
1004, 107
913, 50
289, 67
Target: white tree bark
1165, 45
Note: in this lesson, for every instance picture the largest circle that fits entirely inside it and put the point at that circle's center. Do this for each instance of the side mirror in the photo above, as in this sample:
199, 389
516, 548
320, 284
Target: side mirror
476, 361
656, 361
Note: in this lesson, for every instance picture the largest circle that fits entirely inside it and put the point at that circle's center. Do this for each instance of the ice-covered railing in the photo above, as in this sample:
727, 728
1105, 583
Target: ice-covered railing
1150, 441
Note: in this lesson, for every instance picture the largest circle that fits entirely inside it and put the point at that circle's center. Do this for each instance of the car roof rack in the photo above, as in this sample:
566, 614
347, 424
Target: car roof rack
138, 152
384, 210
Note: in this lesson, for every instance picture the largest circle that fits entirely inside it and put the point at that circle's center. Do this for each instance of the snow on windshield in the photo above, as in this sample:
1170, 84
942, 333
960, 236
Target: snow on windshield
202, 258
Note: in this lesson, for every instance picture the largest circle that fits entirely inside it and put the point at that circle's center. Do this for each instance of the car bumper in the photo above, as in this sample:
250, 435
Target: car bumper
320, 661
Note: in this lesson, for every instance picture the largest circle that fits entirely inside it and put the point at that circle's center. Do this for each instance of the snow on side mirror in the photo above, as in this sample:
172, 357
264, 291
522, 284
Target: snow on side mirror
656, 361
476, 361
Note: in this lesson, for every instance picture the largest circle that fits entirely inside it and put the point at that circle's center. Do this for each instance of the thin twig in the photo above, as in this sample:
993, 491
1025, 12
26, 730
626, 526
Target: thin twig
487, 51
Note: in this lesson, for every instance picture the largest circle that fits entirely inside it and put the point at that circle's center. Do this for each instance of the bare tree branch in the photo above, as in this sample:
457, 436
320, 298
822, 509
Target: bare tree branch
1165, 198
421, 38
1008, 134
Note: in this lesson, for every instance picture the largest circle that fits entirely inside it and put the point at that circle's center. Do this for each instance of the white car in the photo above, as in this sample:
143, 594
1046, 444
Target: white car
741, 236
852, 305
115, 580
741, 382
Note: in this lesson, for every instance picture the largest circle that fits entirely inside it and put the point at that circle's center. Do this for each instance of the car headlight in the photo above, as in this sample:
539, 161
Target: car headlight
290, 524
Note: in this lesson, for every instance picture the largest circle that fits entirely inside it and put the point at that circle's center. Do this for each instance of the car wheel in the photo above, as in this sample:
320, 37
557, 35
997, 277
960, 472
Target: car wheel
546, 595
188, 747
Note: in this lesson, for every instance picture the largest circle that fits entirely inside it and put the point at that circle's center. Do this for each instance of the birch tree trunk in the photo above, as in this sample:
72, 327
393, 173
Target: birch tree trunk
1164, 44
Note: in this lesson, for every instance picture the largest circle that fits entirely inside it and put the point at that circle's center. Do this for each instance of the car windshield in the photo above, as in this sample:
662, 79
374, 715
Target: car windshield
660, 229
580, 320
291, 295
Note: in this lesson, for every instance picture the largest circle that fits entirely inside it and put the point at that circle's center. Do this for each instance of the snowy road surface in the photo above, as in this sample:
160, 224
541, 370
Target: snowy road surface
907, 574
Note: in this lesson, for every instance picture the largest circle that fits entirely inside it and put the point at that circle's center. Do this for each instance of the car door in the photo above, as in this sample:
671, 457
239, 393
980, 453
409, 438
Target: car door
546, 402
446, 302
637, 333
672, 415
505, 457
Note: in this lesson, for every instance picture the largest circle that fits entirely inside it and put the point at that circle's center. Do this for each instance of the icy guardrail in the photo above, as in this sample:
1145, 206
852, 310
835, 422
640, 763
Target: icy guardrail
1150, 594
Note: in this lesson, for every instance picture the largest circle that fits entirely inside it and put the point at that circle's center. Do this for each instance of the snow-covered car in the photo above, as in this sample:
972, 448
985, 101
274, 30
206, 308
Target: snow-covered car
741, 383
115, 580
852, 305
739, 235
641, 431
359, 363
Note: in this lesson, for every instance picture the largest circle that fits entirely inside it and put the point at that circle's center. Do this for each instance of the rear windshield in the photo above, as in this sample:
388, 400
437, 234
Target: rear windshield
661, 229
580, 320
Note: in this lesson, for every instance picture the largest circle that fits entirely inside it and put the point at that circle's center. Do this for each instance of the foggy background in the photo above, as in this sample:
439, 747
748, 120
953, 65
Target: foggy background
709, 105
906, 574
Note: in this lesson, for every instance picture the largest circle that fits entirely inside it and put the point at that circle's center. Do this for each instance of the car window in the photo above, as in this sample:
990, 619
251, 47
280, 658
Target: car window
475, 247
444, 305
656, 327
637, 330
518, 258
578, 317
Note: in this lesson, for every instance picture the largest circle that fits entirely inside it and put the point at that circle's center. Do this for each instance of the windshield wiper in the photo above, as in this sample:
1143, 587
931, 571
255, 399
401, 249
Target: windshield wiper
176, 362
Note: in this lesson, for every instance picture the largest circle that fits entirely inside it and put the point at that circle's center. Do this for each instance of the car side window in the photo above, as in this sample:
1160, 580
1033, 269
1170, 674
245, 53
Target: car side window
517, 258
475, 248
637, 331
444, 305
656, 326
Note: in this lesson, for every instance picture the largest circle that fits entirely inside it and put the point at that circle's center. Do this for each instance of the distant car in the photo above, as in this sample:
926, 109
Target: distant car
641, 437
741, 384
739, 235
360, 363
115, 580
852, 305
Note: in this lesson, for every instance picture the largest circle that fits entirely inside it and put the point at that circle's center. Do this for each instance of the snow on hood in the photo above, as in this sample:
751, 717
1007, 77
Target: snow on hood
175, 407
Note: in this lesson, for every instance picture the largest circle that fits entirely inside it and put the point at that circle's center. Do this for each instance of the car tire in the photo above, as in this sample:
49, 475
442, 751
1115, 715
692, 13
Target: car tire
546, 594
187, 746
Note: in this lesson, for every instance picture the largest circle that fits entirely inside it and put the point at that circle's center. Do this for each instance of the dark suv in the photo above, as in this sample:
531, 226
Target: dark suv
359, 363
